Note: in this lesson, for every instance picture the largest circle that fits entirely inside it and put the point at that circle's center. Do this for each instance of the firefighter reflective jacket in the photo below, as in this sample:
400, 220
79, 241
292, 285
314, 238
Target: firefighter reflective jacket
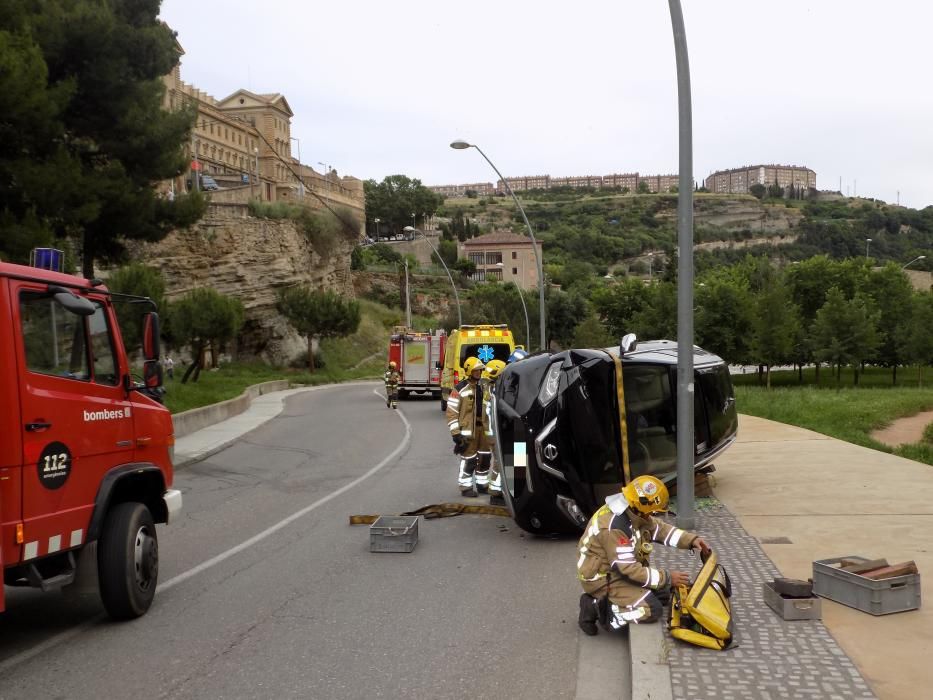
465, 410
614, 545
392, 378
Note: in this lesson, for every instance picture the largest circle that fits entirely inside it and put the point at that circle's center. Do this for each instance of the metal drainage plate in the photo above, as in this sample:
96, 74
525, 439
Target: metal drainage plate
775, 540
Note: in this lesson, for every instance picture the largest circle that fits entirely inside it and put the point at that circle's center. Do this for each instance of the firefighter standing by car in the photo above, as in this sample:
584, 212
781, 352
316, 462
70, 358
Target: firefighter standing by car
620, 586
467, 422
487, 463
392, 378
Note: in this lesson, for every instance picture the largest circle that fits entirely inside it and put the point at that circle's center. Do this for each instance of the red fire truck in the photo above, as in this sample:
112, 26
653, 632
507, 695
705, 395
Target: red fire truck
420, 360
85, 449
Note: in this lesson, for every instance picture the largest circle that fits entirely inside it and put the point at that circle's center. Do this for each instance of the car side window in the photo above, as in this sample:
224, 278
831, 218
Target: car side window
105, 359
54, 339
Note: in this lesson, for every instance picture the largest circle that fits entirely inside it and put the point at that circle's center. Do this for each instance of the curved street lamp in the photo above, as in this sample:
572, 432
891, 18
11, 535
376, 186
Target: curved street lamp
919, 257
413, 230
521, 295
461, 145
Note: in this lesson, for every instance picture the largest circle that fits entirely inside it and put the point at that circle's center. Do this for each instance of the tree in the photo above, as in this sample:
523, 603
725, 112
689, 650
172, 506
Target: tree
318, 314
617, 305
591, 333
844, 332
90, 74
724, 318
395, 198
658, 318
758, 190
447, 251
776, 326
915, 338
891, 293
775, 191
139, 280
642, 187
564, 312
205, 318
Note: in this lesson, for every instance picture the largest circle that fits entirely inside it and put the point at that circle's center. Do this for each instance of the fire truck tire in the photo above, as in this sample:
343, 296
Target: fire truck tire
128, 561
402, 394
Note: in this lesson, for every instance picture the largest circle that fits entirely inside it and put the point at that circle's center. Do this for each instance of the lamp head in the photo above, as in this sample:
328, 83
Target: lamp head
460, 145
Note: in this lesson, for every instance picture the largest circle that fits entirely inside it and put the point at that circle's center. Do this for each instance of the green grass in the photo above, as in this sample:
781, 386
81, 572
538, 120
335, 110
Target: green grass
849, 413
358, 356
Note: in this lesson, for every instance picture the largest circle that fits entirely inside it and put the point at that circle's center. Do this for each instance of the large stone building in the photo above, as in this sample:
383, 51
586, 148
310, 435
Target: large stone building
244, 142
739, 180
482, 189
503, 256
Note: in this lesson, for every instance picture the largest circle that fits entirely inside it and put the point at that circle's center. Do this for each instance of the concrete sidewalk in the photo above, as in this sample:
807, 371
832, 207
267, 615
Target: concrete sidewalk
827, 498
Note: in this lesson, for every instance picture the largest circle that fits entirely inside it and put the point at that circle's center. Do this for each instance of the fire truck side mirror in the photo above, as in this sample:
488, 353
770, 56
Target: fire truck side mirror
152, 368
151, 336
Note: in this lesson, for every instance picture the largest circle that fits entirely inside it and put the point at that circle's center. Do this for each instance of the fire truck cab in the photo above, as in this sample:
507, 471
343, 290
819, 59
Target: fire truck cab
420, 359
85, 448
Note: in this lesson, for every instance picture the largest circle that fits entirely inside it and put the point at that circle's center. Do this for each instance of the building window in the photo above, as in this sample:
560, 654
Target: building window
493, 258
478, 258
514, 255
514, 271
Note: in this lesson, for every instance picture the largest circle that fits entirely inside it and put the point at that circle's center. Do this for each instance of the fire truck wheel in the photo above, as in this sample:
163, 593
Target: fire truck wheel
128, 561
402, 394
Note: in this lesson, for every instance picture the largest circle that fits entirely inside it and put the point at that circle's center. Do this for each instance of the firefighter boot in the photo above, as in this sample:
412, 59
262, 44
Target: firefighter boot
466, 478
588, 615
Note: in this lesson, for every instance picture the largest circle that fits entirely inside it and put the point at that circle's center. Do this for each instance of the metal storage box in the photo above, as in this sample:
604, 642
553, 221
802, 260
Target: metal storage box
791, 608
393, 533
881, 597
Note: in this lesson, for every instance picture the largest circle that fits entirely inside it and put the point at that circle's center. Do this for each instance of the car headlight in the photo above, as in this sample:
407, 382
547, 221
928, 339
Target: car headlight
549, 387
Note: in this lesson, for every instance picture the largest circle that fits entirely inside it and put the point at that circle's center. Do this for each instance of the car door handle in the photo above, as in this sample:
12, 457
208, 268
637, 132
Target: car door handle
35, 427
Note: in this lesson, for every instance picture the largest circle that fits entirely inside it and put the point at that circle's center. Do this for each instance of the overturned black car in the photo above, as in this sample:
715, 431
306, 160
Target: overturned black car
560, 419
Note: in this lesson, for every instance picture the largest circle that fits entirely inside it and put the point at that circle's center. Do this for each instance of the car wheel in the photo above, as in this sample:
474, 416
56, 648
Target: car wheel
128, 561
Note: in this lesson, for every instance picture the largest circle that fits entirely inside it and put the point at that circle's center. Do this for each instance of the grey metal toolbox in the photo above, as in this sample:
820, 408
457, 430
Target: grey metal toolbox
393, 533
881, 597
791, 608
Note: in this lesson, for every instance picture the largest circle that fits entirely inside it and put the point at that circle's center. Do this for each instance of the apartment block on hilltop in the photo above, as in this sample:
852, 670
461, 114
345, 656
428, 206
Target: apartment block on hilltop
630, 181
740, 180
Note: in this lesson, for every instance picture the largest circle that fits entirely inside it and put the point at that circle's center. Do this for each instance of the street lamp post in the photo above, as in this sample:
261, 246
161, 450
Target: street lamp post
376, 222
521, 295
650, 266
301, 186
919, 257
462, 145
258, 181
414, 224
867, 244
446, 269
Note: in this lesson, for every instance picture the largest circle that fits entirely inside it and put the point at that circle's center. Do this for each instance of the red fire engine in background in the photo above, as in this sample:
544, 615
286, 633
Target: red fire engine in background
420, 360
85, 449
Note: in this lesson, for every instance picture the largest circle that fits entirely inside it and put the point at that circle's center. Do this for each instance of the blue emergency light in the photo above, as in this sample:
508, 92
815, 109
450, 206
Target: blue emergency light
47, 259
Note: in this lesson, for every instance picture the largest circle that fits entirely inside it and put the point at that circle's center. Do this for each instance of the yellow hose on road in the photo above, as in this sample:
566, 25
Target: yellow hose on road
440, 510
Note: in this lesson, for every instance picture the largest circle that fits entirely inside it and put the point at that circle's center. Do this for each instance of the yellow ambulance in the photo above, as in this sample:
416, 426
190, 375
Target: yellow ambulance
486, 342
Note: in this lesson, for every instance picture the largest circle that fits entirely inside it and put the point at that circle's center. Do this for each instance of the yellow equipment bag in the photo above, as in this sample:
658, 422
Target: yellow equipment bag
702, 615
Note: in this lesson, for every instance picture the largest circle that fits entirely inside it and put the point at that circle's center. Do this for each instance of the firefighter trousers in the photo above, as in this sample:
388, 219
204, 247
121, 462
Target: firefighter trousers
613, 613
473, 474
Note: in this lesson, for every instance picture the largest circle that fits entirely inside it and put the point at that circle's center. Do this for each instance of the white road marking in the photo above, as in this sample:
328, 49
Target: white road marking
403, 445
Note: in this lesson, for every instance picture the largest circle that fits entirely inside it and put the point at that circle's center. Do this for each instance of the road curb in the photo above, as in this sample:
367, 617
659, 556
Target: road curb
195, 419
651, 673
183, 460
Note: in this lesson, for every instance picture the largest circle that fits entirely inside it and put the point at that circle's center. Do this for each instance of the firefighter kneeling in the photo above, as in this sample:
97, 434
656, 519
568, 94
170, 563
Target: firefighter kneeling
620, 584
467, 422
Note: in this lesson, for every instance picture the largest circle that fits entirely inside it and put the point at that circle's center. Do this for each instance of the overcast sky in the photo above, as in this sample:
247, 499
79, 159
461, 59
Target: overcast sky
564, 88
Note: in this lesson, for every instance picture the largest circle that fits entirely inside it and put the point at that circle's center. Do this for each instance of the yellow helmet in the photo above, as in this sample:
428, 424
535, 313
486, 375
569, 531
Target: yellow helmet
646, 494
493, 370
471, 365
393, 365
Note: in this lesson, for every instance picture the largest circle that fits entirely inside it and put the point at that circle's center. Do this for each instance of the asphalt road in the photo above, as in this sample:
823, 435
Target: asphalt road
479, 609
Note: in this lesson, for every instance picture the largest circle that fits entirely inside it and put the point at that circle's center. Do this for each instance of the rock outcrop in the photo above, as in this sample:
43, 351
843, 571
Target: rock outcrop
250, 259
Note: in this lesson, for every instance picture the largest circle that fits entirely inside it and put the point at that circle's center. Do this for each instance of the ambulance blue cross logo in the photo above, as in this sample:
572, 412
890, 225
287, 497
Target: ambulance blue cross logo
485, 354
